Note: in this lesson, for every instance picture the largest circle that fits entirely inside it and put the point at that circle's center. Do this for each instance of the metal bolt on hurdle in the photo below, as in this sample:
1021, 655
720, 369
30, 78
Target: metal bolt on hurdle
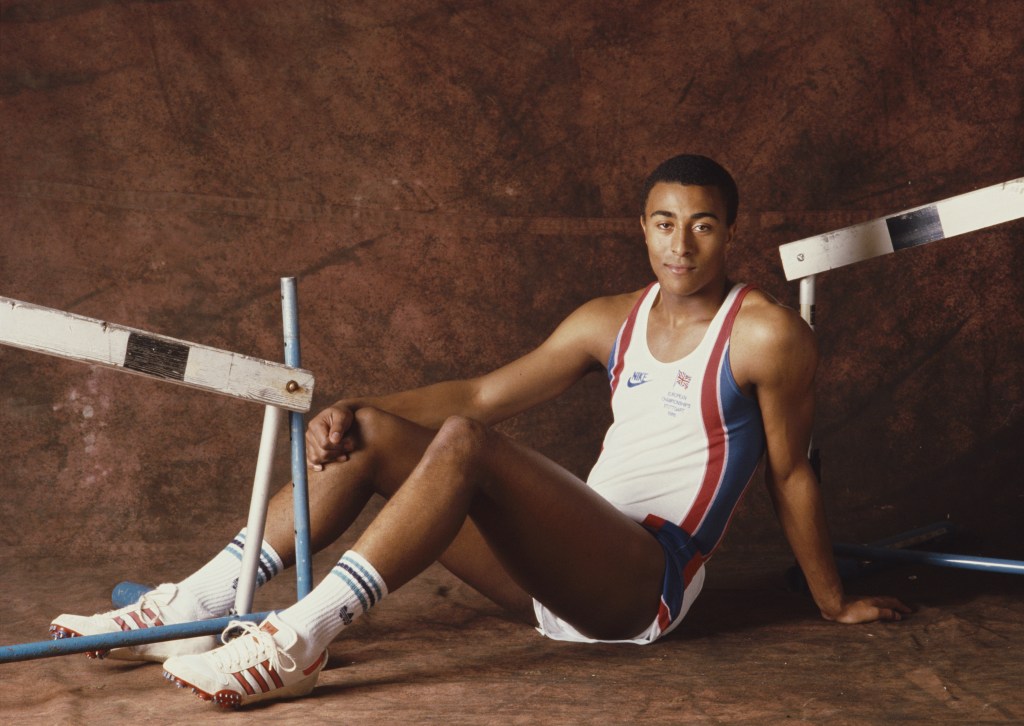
279, 387
804, 259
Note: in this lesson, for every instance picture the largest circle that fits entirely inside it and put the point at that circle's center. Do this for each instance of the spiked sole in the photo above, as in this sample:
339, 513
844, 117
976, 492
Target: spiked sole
59, 632
228, 698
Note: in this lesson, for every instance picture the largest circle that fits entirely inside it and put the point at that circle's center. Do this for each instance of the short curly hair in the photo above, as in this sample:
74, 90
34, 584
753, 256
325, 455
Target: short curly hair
694, 170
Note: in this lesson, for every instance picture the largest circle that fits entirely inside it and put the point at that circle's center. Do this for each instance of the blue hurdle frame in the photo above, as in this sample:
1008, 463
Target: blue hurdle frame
126, 593
886, 550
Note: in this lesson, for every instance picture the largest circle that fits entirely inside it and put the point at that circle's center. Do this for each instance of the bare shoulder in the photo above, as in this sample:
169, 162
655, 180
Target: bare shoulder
765, 320
770, 340
603, 313
596, 323
613, 307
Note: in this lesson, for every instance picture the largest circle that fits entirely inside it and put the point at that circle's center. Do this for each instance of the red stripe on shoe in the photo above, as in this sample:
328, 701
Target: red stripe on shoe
255, 673
316, 665
273, 674
244, 683
122, 624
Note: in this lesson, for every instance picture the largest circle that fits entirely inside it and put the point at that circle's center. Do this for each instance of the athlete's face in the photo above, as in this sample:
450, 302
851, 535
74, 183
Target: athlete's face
686, 232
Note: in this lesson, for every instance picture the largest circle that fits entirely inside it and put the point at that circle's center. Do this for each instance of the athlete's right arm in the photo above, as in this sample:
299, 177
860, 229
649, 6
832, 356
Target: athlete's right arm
580, 344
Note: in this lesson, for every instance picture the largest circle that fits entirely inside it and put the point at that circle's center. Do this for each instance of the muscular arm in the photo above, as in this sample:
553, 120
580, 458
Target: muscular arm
781, 370
575, 348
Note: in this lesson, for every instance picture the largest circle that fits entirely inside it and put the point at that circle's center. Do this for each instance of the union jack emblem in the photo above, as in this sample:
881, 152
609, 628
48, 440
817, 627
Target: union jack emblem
683, 380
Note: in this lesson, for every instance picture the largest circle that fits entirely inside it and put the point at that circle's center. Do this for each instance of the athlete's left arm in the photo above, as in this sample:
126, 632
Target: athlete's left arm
775, 354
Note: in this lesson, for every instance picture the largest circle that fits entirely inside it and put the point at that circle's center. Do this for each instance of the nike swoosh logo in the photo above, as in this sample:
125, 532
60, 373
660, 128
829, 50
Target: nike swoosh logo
633, 384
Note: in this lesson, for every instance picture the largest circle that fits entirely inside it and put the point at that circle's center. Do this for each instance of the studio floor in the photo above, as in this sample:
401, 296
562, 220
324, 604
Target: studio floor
752, 651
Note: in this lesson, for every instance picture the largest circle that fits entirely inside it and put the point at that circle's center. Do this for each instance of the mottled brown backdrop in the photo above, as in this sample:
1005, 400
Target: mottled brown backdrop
448, 180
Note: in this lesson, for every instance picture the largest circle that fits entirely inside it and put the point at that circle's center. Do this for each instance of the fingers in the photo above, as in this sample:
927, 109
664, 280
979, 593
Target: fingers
870, 609
889, 614
889, 608
325, 437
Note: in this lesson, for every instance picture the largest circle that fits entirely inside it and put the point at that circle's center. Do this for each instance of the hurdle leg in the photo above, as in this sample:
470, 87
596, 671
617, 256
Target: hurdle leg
807, 313
297, 428
807, 299
258, 510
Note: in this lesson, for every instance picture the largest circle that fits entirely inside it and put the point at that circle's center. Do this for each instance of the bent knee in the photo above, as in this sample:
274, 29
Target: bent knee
462, 437
463, 432
377, 431
368, 417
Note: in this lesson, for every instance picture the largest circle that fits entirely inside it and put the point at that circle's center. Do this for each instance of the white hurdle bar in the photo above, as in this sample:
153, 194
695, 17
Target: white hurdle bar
279, 387
804, 259
910, 228
87, 340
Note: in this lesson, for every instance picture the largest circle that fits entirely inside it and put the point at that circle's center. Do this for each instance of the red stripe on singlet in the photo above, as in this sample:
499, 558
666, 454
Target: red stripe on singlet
624, 337
714, 423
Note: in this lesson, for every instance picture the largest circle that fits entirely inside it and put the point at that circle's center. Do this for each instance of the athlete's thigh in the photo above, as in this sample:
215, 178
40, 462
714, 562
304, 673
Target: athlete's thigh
386, 450
565, 544
396, 446
471, 559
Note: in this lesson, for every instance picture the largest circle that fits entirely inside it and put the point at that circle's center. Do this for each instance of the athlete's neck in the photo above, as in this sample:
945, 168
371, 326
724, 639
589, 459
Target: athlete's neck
676, 311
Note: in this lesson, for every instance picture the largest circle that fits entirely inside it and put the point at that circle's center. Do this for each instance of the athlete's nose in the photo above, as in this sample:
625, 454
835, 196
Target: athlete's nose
681, 243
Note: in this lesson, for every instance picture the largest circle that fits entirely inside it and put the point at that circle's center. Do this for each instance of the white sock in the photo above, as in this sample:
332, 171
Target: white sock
214, 584
352, 588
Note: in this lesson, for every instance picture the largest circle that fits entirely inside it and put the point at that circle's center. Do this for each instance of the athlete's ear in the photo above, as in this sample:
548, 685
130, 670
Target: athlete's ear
732, 233
643, 223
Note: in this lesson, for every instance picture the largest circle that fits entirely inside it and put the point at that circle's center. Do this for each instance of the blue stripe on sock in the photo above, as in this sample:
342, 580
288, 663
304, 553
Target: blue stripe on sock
370, 589
354, 586
263, 573
236, 546
267, 568
367, 575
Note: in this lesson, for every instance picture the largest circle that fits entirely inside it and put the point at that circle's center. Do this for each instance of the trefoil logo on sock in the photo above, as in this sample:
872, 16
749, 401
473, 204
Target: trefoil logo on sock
345, 615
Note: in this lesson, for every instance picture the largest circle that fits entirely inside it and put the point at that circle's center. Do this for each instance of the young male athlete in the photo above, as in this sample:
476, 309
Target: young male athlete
706, 376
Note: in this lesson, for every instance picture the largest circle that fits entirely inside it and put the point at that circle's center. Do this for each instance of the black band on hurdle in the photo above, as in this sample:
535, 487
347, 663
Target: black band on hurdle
160, 358
915, 228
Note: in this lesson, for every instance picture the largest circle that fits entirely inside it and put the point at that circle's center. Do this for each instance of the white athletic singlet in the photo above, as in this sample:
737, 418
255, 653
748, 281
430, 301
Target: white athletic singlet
685, 441
684, 444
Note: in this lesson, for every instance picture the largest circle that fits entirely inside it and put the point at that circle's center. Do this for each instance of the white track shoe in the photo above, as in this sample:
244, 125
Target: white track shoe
166, 605
258, 665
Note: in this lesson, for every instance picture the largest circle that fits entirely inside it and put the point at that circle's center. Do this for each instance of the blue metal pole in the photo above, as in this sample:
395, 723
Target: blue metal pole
853, 567
915, 537
89, 643
300, 483
940, 559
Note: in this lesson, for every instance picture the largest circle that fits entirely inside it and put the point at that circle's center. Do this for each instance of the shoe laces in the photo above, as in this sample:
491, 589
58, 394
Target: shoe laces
250, 645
